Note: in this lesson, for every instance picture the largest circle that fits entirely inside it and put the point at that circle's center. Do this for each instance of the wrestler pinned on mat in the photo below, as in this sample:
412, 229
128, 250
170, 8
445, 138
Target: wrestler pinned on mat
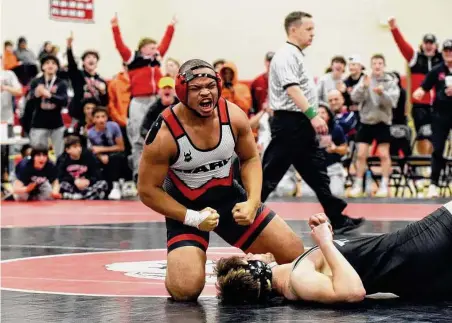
186, 175
412, 263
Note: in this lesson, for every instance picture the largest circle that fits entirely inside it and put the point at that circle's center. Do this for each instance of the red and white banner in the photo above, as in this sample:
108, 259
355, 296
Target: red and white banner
72, 10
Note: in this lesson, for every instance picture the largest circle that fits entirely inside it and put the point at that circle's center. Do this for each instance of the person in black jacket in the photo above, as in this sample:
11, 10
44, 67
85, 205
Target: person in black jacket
79, 173
86, 83
47, 96
440, 79
398, 114
36, 178
167, 97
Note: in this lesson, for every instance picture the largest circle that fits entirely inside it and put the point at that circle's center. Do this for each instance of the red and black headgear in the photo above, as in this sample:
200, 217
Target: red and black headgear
186, 75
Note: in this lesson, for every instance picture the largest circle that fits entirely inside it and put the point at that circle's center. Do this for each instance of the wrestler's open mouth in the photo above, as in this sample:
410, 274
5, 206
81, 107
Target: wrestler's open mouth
206, 104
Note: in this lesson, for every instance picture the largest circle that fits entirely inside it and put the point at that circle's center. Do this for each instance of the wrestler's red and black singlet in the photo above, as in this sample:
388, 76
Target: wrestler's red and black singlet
200, 178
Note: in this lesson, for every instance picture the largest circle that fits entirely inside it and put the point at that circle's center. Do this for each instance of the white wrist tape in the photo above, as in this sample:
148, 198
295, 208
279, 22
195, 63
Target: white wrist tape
273, 264
195, 218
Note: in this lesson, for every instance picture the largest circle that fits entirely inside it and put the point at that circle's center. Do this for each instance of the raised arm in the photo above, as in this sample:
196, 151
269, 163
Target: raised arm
166, 41
72, 65
308, 284
123, 50
405, 48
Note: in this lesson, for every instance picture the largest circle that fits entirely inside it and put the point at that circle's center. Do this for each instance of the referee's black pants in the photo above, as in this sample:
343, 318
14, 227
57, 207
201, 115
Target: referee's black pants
294, 142
441, 126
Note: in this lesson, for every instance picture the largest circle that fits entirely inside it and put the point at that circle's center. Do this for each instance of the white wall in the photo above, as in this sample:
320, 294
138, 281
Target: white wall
240, 30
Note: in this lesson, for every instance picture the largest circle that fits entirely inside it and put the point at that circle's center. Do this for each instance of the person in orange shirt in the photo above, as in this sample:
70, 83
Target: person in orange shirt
10, 60
119, 100
234, 91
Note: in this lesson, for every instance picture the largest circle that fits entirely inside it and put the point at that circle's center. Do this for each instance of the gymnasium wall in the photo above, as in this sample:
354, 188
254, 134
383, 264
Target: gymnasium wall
240, 30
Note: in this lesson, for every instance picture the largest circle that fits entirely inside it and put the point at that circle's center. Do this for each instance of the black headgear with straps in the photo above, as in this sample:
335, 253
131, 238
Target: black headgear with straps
182, 80
263, 273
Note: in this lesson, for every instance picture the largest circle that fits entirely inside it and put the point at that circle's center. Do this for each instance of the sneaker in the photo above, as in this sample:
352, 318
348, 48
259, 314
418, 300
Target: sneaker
348, 225
432, 191
129, 189
356, 191
382, 192
115, 193
77, 196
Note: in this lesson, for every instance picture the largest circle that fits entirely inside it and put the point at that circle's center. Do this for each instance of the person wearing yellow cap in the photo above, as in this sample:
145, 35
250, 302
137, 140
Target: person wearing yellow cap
167, 97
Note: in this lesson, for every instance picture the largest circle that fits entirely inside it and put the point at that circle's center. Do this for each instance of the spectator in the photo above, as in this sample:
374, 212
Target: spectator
46, 98
25, 153
333, 80
24, 54
167, 97
37, 178
356, 68
378, 95
29, 68
80, 129
86, 83
144, 72
82, 126
218, 64
47, 49
348, 121
261, 122
335, 145
9, 59
439, 78
399, 115
171, 67
108, 145
118, 105
259, 87
10, 87
233, 90
79, 174
420, 62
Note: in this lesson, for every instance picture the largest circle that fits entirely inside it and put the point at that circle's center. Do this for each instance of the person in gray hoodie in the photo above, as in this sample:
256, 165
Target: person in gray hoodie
377, 94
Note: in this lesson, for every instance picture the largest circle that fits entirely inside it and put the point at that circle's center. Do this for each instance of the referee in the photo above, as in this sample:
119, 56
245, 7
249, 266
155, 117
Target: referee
293, 97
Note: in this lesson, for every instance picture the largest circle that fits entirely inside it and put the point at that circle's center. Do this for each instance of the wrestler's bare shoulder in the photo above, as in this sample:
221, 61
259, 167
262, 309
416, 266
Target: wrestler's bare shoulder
159, 140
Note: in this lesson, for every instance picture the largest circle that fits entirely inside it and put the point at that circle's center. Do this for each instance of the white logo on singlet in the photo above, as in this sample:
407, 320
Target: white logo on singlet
341, 242
195, 167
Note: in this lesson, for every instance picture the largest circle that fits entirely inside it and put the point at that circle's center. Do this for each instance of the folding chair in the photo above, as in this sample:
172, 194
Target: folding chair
399, 150
413, 163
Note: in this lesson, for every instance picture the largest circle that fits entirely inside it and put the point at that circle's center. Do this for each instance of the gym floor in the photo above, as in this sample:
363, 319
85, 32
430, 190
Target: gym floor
72, 261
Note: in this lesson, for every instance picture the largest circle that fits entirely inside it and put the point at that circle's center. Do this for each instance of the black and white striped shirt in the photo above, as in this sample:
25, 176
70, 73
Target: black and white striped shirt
288, 68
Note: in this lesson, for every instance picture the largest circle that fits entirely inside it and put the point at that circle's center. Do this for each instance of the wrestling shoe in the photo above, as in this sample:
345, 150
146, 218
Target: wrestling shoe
349, 224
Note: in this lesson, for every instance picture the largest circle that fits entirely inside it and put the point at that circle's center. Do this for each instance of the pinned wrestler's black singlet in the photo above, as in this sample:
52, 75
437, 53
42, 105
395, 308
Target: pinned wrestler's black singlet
414, 262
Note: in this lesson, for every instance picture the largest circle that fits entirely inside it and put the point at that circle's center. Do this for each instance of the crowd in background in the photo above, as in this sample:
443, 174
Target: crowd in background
96, 126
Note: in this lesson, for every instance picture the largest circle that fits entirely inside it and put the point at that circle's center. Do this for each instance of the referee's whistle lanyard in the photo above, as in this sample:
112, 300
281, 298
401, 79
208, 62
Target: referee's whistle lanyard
45, 103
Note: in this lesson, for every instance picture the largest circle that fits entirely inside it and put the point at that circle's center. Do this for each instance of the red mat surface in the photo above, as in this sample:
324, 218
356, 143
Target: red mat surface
33, 214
